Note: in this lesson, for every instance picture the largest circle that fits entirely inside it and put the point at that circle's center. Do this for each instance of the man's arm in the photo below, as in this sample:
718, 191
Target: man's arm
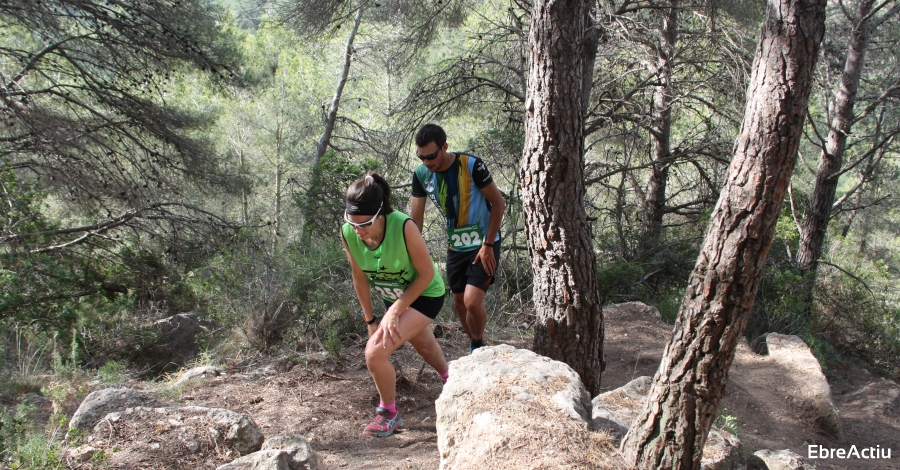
417, 211
498, 206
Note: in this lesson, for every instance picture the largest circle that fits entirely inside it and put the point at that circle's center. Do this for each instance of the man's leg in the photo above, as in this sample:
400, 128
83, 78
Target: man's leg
476, 318
459, 304
477, 283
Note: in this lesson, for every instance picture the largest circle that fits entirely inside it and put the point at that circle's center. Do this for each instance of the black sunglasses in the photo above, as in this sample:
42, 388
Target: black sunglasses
429, 157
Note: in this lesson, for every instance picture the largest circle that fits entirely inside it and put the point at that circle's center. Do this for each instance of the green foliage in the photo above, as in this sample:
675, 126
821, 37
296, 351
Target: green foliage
857, 319
669, 304
781, 303
621, 281
323, 202
24, 447
823, 351
113, 372
322, 287
295, 296
729, 422
333, 343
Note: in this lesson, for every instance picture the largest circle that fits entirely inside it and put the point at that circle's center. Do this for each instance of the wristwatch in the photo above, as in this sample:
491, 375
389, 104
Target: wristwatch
369, 322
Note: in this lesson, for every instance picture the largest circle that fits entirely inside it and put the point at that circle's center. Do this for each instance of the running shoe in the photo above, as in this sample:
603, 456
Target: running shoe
384, 424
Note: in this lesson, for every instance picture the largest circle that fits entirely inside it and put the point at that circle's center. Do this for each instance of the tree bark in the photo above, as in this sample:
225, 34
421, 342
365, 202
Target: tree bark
567, 304
331, 119
672, 429
660, 132
818, 212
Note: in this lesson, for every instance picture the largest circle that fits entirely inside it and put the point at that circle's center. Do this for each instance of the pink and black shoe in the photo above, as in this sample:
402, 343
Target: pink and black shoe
384, 424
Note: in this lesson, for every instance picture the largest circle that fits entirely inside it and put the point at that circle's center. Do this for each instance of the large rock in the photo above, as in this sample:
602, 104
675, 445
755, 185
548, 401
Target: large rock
237, 429
616, 410
279, 453
300, 455
811, 394
178, 339
721, 452
876, 399
98, 404
511, 408
262, 460
187, 433
775, 460
197, 373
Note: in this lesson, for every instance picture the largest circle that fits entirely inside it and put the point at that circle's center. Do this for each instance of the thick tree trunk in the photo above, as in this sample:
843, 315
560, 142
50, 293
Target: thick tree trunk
660, 132
567, 304
818, 212
671, 430
330, 120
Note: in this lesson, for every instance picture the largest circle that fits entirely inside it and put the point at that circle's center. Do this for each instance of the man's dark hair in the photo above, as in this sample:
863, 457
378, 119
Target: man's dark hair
431, 133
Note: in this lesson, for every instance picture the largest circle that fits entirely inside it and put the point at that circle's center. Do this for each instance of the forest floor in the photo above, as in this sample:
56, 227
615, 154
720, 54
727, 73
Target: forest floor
331, 401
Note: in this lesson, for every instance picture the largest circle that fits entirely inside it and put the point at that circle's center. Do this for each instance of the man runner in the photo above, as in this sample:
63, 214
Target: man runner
464, 191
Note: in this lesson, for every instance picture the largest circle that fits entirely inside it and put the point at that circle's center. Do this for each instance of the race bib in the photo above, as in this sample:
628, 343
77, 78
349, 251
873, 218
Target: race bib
461, 238
387, 289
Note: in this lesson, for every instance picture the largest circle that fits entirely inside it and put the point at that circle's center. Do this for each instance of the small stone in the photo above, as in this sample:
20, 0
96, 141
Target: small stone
81, 454
192, 445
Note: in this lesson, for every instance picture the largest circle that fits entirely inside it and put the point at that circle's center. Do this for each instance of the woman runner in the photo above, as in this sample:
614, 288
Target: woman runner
387, 252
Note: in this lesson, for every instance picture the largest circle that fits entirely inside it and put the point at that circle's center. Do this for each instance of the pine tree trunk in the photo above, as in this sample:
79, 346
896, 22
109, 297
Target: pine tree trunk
660, 133
569, 325
818, 211
671, 430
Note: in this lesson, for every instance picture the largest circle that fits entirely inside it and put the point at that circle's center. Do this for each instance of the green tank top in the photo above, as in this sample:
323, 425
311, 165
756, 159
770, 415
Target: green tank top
388, 267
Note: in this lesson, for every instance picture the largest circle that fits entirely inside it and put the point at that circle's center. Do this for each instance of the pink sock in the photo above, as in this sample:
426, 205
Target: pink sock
444, 375
392, 407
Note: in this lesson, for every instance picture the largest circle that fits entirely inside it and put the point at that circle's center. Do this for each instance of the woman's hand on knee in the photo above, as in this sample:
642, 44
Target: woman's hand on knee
388, 330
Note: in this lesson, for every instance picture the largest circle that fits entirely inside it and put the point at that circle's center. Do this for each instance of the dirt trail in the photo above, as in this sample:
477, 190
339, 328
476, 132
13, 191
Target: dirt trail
331, 401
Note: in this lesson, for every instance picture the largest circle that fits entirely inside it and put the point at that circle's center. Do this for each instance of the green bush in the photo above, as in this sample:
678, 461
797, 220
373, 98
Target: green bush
621, 282
113, 372
23, 445
781, 304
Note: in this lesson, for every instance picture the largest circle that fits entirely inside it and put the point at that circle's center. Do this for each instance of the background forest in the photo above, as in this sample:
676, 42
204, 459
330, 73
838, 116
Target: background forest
187, 155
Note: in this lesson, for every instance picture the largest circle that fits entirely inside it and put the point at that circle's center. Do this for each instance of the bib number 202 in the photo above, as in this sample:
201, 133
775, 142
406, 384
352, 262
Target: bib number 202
465, 239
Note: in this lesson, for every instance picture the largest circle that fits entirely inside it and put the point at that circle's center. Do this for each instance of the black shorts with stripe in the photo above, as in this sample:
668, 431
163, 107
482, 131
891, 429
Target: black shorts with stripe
462, 272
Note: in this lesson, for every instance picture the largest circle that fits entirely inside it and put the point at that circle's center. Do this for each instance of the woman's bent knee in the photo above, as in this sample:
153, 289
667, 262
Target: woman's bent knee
376, 354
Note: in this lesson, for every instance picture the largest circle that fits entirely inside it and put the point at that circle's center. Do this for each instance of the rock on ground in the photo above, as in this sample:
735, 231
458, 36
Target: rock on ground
614, 411
262, 460
877, 398
174, 437
203, 372
633, 308
812, 394
237, 429
776, 460
98, 404
279, 453
721, 452
176, 340
508, 408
